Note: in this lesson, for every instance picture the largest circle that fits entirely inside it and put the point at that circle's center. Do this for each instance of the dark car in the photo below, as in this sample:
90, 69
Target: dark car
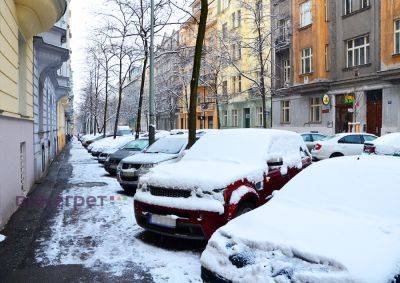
115, 158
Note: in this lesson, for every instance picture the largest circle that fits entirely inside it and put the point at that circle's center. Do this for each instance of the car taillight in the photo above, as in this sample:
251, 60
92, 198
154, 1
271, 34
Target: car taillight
369, 149
317, 146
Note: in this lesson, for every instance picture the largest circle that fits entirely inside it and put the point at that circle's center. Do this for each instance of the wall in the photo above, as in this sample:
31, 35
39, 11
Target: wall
9, 75
390, 11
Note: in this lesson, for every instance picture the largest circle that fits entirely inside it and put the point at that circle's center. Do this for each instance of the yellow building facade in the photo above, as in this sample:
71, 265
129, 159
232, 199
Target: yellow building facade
20, 20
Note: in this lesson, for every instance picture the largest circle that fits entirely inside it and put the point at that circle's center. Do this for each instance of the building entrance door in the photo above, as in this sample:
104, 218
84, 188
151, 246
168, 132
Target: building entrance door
374, 112
246, 112
344, 113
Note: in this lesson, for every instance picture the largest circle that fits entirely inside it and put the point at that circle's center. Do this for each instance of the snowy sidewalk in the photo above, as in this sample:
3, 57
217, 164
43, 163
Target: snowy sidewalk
94, 227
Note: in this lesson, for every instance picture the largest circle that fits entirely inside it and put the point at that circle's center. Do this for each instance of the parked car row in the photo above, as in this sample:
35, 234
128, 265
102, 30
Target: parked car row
267, 212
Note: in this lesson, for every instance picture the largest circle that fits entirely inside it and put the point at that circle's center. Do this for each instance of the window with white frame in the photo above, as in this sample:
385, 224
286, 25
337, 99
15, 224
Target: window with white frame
315, 110
306, 60
285, 111
397, 37
283, 27
225, 118
348, 6
235, 118
236, 19
305, 14
358, 51
364, 4
260, 116
286, 72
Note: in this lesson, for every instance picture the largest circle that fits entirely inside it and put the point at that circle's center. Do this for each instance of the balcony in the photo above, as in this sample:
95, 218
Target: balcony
36, 16
282, 42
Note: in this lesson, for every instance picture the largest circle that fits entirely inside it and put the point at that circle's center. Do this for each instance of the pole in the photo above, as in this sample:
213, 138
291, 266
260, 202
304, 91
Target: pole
151, 83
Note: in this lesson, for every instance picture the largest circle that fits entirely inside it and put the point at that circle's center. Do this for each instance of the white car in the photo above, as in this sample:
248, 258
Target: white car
341, 145
386, 145
168, 149
312, 138
336, 221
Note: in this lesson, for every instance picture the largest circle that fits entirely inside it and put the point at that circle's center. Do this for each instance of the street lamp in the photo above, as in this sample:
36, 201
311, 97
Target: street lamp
151, 83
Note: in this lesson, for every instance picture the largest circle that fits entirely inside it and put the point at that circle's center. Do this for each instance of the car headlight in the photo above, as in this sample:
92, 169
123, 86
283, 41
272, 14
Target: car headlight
147, 166
119, 167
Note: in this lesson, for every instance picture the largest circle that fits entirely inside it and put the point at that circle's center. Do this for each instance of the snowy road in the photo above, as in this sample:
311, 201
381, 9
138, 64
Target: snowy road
95, 227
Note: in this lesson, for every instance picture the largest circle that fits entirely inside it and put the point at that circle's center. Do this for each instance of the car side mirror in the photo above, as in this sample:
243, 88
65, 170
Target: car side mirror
275, 162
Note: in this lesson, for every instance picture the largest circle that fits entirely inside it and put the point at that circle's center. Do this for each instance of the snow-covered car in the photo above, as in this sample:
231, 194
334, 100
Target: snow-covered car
168, 149
110, 143
337, 221
131, 148
344, 144
312, 138
87, 140
225, 174
386, 145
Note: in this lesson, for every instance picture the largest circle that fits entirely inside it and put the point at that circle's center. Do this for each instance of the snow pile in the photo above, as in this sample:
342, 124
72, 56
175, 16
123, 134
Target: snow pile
337, 221
220, 158
388, 144
110, 142
106, 237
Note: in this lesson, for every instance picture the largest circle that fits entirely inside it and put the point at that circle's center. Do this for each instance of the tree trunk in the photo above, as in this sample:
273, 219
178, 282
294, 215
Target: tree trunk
106, 105
194, 83
139, 115
217, 102
119, 98
262, 76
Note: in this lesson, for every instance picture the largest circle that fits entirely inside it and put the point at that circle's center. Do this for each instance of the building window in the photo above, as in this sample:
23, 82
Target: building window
224, 30
315, 110
225, 87
285, 111
239, 78
348, 7
306, 61
236, 51
364, 4
224, 118
233, 84
327, 57
358, 50
286, 72
235, 118
236, 19
283, 26
260, 116
305, 14
397, 37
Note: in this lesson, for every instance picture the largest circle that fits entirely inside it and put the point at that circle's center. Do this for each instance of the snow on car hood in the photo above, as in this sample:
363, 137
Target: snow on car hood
337, 221
203, 175
110, 142
149, 158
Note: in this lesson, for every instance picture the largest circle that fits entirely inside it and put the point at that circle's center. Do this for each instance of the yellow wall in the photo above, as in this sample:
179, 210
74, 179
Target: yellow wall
390, 11
9, 75
61, 123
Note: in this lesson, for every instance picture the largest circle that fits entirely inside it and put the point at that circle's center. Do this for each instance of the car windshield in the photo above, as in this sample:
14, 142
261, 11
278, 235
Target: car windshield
136, 145
167, 145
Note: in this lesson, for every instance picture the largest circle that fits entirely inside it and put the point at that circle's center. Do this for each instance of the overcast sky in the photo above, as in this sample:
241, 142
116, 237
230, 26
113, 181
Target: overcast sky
84, 19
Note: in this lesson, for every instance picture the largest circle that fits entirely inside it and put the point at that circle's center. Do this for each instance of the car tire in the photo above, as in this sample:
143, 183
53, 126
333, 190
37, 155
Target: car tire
336, 154
244, 207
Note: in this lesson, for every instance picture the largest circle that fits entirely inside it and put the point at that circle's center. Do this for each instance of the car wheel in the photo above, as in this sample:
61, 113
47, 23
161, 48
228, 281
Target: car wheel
244, 208
336, 154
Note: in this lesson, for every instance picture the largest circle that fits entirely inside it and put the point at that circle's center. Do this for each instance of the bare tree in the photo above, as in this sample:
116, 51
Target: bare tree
194, 83
258, 45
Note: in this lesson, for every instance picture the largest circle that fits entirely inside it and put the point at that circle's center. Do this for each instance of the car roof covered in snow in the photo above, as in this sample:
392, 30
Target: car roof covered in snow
339, 220
220, 158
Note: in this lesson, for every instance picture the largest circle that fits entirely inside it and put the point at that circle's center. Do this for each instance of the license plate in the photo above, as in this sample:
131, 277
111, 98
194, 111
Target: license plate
162, 220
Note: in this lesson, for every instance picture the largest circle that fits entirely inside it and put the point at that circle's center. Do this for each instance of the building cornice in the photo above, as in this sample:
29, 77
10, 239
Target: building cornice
36, 16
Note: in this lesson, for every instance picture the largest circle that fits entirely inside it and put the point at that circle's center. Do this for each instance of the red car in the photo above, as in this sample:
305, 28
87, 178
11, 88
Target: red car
225, 174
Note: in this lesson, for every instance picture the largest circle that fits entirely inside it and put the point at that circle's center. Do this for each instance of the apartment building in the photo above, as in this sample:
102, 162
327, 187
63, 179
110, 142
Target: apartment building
206, 111
344, 68
244, 28
20, 21
51, 89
